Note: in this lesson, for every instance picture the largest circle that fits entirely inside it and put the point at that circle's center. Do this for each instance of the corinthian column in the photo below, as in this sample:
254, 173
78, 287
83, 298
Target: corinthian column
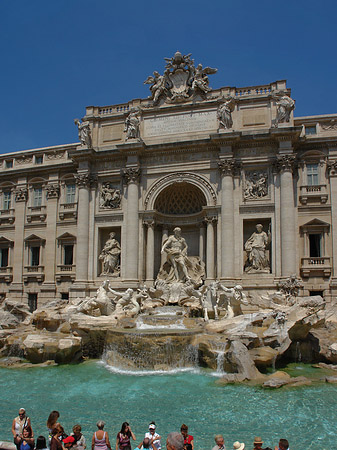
332, 166
210, 247
227, 168
83, 181
150, 250
131, 176
285, 165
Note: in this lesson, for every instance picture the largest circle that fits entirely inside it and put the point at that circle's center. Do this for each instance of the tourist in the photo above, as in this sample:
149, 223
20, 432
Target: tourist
19, 423
27, 442
258, 443
153, 436
123, 437
238, 445
41, 443
188, 439
175, 441
56, 437
80, 443
146, 444
52, 423
220, 442
282, 445
68, 442
100, 439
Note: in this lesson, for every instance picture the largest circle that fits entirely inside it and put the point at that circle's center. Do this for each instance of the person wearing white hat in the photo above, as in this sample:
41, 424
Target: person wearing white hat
153, 436
238, 445
220, 442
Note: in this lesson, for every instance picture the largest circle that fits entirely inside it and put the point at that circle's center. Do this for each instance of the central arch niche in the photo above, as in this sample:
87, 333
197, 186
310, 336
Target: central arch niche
180, 199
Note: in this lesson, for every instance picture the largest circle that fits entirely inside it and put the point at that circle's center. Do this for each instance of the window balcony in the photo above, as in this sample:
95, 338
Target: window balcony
313, 193
65, 272
7, 216
6, 274
68, 211
316, 266
33, 273
36, 214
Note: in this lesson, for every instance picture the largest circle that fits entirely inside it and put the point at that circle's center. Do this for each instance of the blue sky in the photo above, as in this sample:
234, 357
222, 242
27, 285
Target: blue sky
60, 56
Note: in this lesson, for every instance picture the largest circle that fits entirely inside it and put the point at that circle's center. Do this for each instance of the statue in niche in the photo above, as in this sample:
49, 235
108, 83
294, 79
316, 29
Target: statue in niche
176, 250
256, 185
110, 197
224, 113
285, 105
256, 247
84, 133
132, 123
110, 256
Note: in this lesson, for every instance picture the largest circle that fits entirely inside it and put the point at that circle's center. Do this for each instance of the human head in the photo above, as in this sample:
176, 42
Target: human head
52, 419
125, 427
184, 429
146, 443
100, 424
259, 227
27, 432
283, 444
177, 231
238, 287
22, 412
238, 445
175, 441
258, 442
77, 429
219, 440
112, 234
152, 427
41, 443
68, 441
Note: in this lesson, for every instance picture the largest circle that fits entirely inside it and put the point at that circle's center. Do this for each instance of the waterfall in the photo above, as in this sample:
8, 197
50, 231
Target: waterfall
298, 354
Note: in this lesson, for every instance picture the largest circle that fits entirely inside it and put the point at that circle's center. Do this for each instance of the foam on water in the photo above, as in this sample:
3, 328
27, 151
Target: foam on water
143, 372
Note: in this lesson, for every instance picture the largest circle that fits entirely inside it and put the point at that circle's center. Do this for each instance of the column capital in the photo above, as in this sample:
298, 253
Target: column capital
332, 168
21, 194
210, 219
229, 166
149, 223
285, 163
53, 190
131, 175
83, 180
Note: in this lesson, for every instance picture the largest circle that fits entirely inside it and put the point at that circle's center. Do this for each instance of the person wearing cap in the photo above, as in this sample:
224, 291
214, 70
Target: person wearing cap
153, 436
68, 441
238, 445
18, 424
258, 443
220, 442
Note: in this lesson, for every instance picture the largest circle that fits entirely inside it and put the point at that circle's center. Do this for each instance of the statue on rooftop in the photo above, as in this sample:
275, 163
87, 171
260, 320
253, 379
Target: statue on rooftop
285, 105
84, 133
224, 113
201, 80
132, 123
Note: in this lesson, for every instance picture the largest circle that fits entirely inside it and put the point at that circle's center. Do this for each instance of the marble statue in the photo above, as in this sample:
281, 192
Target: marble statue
110, 197
84, 133
290, 286
100, 304
158, 86
209, 299
200, 80
110, 256
256, 185
256, 246
129, 302
132, 123
224, 113
234, 298
176, 250
285, 105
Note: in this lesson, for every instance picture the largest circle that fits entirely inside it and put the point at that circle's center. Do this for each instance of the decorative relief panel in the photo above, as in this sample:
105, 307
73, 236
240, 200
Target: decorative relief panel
255, 185
109, 196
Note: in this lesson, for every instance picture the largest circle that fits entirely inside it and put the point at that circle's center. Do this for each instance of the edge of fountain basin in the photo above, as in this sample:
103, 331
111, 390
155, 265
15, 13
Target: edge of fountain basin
155, 332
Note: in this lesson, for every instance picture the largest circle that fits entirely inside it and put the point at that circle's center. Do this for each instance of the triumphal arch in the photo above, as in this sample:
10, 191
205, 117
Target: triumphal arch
252, 189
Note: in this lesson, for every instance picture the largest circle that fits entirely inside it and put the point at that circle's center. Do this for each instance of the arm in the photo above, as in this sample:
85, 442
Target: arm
93, 442
13, 428
132, 434
192, 443
117, 441
107, 441
29, 424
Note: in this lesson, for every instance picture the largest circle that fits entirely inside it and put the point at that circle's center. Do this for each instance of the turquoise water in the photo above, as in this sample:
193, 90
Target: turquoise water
85, 393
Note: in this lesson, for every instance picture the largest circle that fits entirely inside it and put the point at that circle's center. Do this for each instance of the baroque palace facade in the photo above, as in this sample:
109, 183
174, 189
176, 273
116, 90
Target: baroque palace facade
214, 163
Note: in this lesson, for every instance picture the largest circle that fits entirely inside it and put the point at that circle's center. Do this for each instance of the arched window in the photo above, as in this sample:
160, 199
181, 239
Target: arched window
180, 199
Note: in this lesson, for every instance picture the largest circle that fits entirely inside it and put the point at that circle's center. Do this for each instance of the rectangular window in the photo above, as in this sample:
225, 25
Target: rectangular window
64, 296
312, 174
9, 164
38, 159
315, 245
37, 196
3, 257
32, 302
34, 256
311, 129
68, 254
70, 193
6, 200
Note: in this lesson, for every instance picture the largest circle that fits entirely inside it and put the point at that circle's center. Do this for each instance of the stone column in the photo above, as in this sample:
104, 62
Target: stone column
131, 176
83, 181
18, 259
164, 237
210, 247
288, 233
332, 167
227, 168
202, 239
150, 250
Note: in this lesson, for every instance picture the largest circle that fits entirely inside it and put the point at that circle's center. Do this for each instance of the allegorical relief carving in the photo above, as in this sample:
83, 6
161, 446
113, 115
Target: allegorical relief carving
256, 185
110, 256
256, 249
180, 81
110, 197
224, 113
84, 133
285, 105
132, 123
329, 126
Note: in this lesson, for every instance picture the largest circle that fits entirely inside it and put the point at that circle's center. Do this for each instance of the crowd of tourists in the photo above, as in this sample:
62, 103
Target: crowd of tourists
58, 439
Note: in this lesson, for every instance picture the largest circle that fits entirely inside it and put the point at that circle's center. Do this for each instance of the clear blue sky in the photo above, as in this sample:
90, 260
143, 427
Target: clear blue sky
59, 56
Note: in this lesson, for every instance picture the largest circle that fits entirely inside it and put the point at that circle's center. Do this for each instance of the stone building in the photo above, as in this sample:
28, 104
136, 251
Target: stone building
215, 163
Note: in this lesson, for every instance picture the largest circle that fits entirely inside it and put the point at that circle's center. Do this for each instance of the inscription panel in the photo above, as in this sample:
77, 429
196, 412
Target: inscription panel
180, 123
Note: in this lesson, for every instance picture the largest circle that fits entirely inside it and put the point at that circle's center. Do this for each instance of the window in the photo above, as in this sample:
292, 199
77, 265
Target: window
3, 257
312, 174
310, 129
32, 302
38, 159
64, 296
6, 200
9, 164
70, 193
315, 245
68, 251
37, 197
35, 256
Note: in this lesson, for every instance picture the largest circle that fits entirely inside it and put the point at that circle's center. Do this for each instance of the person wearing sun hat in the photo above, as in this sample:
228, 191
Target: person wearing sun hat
258, 443
238, 445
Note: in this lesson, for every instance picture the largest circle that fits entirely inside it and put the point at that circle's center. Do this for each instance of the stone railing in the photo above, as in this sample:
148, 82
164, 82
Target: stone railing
68, 210
7, 215
36, 269
36, 213
6, 274
253, 90
115, 109
316, 265
65, 272
35, 273
66, 267
316, 192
